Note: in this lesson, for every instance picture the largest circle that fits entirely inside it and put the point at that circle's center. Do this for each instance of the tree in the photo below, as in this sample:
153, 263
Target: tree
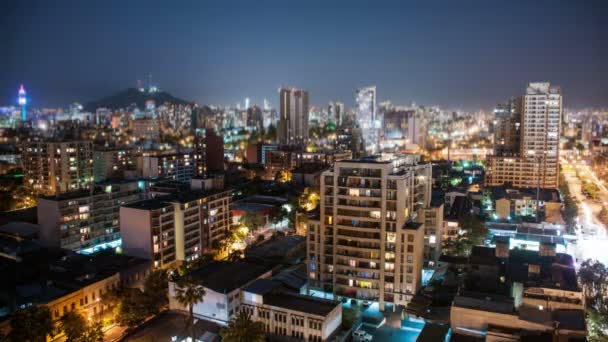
94, 333
133, 309
474, 234
593, 276
156, 288
188, 293
243, 329
251, 221
73, 326
32, 324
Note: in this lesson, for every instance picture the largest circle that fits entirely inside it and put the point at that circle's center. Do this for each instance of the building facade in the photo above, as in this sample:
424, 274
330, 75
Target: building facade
82, 220
51, 168
367, 243
535, 165
293, 116
148, 231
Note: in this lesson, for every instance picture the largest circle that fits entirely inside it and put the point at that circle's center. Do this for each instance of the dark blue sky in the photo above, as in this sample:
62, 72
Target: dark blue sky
461, 54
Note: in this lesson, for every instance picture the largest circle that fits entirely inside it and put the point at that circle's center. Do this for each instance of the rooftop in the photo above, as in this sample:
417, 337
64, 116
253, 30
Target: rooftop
312, 305
547, 195
193, 195
226, 276
150, 204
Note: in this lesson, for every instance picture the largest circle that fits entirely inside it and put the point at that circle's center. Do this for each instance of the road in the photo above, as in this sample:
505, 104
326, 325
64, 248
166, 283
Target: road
592, 235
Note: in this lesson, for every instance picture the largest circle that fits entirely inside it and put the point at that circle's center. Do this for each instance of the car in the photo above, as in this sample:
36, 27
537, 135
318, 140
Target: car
361, 336
367, 303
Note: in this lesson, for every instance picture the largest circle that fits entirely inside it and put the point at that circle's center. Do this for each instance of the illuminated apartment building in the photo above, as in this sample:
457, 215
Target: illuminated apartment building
535, 165
367, 243
174, 166
86, 220
178, 227
57, 167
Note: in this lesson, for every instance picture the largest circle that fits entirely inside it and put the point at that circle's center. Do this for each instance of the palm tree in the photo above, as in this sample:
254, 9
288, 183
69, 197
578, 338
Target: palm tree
188, 293
243, 329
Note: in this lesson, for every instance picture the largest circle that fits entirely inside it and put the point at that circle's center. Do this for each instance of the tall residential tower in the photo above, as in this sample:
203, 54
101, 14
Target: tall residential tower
528, 155
368, 242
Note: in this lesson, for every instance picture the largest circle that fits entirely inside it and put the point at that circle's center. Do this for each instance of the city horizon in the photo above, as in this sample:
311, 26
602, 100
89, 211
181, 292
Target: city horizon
411, 53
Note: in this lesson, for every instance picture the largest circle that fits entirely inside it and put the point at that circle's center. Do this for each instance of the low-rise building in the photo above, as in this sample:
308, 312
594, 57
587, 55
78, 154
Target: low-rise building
513, 293
511, 203
289, 314
222, 282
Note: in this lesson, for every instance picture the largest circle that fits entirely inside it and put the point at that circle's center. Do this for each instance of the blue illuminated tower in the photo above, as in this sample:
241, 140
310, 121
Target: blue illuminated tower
22, 102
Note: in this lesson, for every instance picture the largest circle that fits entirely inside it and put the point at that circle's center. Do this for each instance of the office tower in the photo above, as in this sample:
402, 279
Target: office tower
255, 118
336, 112
148, 231
367, 243
56, 167
293, 118
22, 100
536, 162
368, 119
247, 103
85, 220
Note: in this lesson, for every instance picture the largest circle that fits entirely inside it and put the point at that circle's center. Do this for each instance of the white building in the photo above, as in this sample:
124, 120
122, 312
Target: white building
290, 314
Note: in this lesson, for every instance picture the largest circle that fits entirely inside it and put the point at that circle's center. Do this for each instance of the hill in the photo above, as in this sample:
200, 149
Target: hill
131, 96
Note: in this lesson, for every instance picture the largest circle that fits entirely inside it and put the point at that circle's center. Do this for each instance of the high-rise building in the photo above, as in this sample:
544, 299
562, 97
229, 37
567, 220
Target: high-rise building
368, 119
336, 112
367, 243
255, 118
293, 118
507, 128
536, 162
50, 168
85, 220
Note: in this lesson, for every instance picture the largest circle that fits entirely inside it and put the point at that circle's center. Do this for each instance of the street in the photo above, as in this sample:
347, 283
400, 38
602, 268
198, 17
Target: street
591, 234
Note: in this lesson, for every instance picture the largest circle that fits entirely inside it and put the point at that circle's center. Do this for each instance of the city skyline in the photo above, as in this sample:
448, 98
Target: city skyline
442, 54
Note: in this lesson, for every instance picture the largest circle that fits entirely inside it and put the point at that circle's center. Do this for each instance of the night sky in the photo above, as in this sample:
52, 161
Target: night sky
458, 54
